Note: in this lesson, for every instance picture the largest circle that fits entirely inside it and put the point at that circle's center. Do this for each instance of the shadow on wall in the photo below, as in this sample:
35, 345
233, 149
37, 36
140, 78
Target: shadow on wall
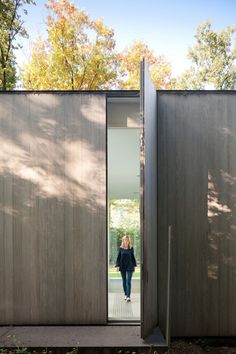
197, 173
52, 188
43, 141
222, 198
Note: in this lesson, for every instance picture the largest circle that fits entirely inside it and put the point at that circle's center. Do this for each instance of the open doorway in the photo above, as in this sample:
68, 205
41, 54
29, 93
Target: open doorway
123, 146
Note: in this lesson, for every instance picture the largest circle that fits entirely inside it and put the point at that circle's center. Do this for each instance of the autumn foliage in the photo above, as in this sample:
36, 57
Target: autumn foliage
160, 68
79, 53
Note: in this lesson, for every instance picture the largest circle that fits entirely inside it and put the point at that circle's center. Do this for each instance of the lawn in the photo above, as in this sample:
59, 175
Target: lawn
114, 274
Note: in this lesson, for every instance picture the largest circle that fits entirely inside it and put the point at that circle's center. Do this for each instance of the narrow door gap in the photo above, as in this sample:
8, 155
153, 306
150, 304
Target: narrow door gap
123, 204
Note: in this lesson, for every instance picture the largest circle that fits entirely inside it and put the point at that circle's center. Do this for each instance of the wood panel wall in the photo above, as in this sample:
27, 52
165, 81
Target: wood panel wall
53, 209
197, 195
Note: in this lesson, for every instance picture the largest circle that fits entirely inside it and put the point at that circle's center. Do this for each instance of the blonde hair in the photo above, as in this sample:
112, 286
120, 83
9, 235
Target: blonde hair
122, 241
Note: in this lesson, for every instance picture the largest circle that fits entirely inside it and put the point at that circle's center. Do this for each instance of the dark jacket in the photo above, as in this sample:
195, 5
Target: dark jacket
125, 259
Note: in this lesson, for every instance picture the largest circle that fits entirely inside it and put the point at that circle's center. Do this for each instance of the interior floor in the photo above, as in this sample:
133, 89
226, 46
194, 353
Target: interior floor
119, 309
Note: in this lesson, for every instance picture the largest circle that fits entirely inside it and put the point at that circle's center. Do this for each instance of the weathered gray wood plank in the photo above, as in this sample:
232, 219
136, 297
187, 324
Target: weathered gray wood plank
196, 192
53, 209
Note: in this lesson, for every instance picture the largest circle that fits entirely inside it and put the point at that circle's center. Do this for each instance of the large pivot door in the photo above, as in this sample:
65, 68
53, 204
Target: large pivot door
149, 307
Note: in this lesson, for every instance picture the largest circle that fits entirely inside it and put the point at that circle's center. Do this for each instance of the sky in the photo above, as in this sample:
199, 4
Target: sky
167, 26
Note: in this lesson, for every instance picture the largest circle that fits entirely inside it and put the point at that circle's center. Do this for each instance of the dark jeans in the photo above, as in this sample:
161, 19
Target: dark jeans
127, 281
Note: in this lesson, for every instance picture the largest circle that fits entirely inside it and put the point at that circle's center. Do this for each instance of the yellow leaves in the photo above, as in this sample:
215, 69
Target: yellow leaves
101, 29
161, 75
79, 53
64, 10
34, 74
129, 67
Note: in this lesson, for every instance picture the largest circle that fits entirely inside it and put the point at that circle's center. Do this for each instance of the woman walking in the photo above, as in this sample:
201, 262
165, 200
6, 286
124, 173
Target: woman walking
125, 263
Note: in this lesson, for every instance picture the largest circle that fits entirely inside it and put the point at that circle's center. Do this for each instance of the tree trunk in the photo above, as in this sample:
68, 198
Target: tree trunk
4, 81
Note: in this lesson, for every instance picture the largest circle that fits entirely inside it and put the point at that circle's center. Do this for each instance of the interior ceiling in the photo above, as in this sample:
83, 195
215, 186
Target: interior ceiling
123, 163
121, 100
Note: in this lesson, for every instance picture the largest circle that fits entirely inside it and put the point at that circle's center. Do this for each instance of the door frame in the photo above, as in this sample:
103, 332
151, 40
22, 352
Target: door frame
133, 94
115, 94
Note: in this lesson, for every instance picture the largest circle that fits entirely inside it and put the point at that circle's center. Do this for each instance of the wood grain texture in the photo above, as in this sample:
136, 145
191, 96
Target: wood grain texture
53, 209
149, 308
196, 194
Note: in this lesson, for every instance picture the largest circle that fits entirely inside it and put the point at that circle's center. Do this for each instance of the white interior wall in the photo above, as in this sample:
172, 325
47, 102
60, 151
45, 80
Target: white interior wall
123, 148
123, 112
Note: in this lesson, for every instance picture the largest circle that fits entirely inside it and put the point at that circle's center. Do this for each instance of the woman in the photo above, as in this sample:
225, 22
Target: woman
125, 263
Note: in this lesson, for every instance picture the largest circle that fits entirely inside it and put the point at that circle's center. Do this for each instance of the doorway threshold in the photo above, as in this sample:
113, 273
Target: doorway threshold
123, 323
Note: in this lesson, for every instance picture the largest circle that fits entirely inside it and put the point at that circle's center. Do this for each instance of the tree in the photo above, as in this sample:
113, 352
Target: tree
78, 53
159, 67
213, 60
124, 213
124, 219
11, 26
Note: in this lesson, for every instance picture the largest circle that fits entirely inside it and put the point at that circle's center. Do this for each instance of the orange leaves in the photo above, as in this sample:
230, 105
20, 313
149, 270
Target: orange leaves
65, 10
130, 59
79, 54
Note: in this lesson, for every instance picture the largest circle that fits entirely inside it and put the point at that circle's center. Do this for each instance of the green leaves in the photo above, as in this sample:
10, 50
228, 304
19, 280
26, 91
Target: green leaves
213, 60
11, 26
80, 54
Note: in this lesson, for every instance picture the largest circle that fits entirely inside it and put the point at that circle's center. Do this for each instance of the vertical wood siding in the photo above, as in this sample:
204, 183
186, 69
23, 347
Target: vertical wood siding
197, 195
52, 209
